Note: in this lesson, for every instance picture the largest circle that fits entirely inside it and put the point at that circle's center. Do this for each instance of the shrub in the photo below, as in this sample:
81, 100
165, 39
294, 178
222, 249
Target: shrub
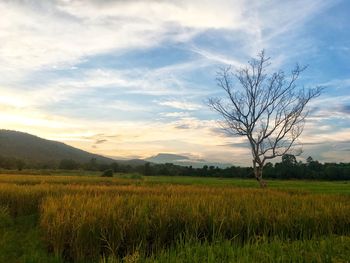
107, 173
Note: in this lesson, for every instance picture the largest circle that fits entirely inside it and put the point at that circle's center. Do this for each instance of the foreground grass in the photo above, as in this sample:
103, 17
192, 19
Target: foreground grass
331, 249
20, 241
171, 219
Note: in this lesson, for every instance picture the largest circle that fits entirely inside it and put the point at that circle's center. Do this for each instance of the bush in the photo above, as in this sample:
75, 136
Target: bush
107, 173
68, 164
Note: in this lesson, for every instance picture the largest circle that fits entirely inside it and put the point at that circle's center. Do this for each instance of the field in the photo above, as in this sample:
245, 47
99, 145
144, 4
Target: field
130, 218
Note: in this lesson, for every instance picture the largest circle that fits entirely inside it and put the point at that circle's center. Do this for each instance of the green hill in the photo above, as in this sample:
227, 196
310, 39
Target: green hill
31, 148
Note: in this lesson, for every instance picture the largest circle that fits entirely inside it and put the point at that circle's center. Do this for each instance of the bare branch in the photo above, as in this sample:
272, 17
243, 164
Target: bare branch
269, 109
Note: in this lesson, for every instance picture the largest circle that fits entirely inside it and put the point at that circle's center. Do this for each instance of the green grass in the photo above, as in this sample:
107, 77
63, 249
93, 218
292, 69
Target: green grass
20, 241
312, 186
330, 249
327, 187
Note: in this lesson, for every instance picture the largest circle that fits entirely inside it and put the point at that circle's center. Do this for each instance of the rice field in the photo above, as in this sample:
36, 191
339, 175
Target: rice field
93, 219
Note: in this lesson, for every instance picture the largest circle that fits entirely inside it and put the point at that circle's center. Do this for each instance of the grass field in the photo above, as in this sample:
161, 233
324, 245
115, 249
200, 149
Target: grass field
83, 177
335, 187
130, 218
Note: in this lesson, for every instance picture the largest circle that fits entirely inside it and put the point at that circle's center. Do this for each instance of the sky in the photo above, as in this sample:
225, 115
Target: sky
131, 79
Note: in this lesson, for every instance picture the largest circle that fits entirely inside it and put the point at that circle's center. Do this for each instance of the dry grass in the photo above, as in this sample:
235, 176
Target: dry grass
93, 217
118, 222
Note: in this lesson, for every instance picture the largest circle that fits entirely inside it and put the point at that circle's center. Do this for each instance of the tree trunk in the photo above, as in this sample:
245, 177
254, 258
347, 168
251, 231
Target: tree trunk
258, 175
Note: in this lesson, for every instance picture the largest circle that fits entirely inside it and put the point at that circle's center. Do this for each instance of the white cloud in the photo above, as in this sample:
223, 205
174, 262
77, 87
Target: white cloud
57, 33
337, 83
37, 34
193, 14
182, 105
175, 114
223, 59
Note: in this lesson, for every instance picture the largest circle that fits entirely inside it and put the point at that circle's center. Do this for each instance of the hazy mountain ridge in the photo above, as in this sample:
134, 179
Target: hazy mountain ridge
184, 160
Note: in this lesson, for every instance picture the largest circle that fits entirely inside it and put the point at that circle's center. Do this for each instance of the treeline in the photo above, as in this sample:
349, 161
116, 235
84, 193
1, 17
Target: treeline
288, 168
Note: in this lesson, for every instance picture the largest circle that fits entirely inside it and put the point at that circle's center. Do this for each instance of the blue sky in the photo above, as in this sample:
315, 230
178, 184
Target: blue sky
130, 79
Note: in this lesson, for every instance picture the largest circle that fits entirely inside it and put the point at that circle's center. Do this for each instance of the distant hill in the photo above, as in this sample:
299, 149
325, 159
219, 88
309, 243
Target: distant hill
34, 149
183, 160
167, 158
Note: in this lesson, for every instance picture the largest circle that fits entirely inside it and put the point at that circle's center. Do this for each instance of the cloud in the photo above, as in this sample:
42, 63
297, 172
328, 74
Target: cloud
182, 105
59, 34
186, 14
175, 114
183, 126
100, 141
219, 58
339, 83
345, 109
338, 108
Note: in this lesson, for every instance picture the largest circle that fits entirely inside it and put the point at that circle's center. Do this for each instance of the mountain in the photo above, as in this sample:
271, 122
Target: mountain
167, 158
184, 160
34, 149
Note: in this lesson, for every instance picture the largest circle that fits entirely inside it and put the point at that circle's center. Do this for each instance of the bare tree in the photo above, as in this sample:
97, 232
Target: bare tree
268, 109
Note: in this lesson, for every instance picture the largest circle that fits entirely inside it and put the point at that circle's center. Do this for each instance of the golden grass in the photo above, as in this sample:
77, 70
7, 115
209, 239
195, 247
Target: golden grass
86, 225
82, 221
